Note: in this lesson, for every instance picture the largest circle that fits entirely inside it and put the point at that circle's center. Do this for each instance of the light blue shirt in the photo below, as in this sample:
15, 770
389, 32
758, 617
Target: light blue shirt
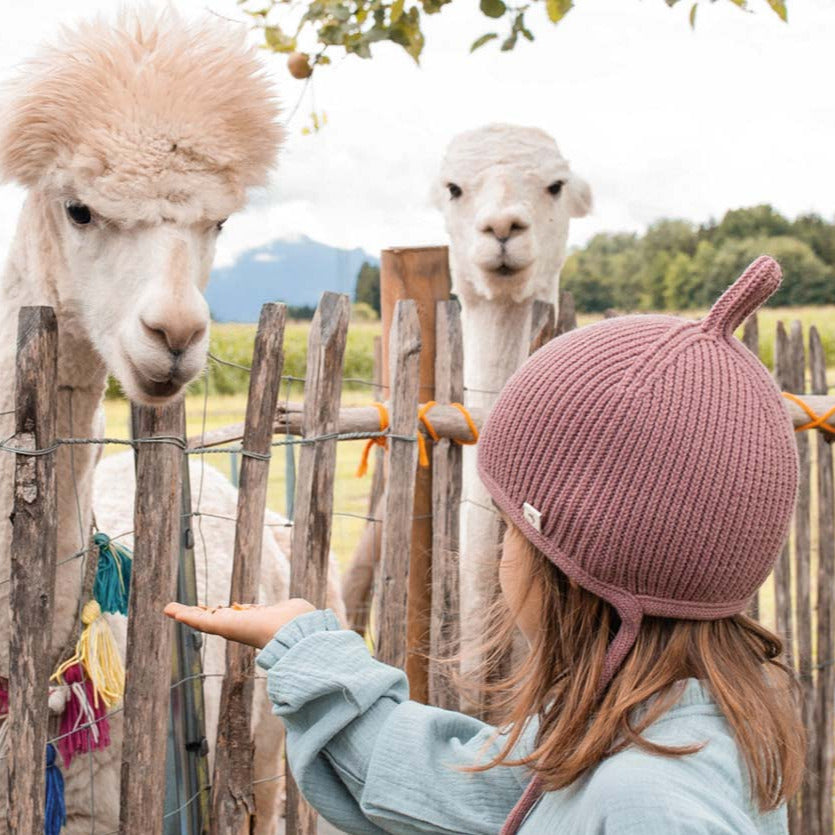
371, 761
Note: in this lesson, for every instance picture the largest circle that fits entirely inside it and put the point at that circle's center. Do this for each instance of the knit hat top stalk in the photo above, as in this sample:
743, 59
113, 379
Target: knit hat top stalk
652, 459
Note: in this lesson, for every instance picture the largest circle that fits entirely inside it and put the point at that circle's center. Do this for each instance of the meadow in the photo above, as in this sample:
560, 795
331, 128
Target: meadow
226, 401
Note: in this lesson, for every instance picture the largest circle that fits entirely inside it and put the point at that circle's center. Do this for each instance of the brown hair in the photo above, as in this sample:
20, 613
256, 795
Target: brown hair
735, 657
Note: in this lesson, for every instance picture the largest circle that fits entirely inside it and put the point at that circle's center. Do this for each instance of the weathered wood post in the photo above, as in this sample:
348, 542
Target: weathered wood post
447, 474
149, 638
404, 351
358, 579
313, 515
566, 315
233, 803
32, 589
782, 570
421, 274
824, 719
803, 594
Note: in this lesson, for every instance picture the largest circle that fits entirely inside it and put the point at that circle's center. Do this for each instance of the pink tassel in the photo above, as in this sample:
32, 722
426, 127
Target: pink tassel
4, 696
84, 724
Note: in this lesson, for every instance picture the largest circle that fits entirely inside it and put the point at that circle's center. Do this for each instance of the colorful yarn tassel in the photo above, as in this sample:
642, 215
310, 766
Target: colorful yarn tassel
96, 650
84, 725
55, 811
112, 585
4, 696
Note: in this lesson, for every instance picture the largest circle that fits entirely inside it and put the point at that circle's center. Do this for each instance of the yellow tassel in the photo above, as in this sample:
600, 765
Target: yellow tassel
96, 650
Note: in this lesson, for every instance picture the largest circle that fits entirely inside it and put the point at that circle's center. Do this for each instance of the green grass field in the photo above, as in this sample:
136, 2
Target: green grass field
227, 403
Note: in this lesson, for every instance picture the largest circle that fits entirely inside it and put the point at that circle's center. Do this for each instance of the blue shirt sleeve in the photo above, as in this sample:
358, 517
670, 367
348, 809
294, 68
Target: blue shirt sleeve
368, 759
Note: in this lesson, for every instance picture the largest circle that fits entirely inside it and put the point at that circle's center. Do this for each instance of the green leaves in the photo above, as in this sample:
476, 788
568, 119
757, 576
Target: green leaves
356, 25
557, 9
779, 8
277, 41
493, 8
479, 42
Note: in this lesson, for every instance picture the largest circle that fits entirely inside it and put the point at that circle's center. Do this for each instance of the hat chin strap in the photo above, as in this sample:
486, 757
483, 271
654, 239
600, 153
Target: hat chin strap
618, 649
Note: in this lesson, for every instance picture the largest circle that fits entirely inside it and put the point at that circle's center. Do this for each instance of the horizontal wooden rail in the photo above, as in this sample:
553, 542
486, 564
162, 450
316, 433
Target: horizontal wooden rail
447, 420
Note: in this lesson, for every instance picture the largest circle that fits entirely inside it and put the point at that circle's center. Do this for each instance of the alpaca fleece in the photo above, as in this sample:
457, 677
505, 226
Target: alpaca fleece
145, 120
660, 457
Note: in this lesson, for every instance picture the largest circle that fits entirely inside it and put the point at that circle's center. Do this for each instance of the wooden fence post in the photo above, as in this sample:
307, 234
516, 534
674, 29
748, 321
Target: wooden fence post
233, 803
447, 473
824, 719
358, 579
404, 351
566, 315
782, 570
751, 340
421, 274
543, 324
32, 590
153, 584
314, 484
803, 595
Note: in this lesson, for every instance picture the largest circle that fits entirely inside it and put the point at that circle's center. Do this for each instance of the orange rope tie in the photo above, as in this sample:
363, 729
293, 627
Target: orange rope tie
470, 424
816, 421
423, 417
372, 442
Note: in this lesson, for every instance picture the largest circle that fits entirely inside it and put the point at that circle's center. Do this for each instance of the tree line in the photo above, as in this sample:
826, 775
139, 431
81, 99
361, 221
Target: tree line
678, 265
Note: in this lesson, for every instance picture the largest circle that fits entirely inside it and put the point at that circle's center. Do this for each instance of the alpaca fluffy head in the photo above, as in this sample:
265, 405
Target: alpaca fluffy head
143, 119
507, 195
137, 139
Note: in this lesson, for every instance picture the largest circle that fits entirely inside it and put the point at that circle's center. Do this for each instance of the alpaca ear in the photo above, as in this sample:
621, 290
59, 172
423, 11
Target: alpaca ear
29, 138
579, 196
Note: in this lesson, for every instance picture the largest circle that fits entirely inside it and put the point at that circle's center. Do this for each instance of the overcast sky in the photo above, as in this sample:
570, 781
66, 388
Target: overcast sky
660, 119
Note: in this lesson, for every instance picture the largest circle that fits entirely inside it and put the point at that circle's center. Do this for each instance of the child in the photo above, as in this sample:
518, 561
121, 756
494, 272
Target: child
647, 470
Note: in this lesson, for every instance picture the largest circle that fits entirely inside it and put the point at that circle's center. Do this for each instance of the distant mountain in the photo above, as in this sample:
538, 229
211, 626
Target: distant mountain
296, 272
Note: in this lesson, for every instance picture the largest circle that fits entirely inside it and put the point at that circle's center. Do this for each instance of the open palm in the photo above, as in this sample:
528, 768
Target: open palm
254, 625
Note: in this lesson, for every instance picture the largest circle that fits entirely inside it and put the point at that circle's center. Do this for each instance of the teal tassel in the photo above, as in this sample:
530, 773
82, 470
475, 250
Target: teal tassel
112, 586
55, 811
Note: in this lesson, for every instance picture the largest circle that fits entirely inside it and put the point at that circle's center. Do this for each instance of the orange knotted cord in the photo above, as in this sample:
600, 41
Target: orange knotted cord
372, 442
423, 457
816, 421
470, 423
423, 416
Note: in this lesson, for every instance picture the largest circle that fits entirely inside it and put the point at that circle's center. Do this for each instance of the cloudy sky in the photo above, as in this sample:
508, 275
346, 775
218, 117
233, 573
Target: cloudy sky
662, 120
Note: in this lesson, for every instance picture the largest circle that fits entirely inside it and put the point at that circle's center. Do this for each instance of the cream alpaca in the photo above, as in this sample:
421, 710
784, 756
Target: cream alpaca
507, 195
135, 141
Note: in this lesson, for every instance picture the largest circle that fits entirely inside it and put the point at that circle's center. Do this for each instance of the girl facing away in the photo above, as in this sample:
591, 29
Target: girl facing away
647, 471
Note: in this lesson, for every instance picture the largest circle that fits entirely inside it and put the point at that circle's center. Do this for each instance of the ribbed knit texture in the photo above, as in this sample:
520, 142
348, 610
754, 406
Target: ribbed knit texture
660, 456
661, 459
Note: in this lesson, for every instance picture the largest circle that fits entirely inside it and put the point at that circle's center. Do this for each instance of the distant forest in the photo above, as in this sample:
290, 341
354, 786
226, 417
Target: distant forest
677, 265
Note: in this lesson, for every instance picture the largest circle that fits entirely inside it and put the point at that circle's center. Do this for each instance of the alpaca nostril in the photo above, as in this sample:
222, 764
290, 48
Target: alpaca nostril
176, 337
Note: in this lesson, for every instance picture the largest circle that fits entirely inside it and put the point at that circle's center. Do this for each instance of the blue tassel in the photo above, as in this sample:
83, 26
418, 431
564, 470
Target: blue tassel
55, 812
112, 586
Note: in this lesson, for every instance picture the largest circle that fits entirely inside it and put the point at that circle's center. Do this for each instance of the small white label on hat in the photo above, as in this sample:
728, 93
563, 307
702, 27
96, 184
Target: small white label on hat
532, 516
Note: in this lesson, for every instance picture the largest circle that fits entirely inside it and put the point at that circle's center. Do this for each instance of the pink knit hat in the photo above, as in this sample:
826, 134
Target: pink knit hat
652, 458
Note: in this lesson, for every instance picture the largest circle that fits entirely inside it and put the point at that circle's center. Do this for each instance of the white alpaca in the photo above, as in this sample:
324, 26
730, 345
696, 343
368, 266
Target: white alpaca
135, 142
507, 195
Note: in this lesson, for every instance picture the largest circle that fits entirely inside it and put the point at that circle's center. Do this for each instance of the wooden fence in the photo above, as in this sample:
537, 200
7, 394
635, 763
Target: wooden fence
800, 600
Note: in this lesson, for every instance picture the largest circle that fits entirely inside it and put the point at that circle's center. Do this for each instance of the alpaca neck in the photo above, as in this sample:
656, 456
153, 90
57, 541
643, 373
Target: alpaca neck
37, 274
496, 341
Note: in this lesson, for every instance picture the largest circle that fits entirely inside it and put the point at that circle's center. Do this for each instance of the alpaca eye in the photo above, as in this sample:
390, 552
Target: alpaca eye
556, 187
454, 190
78, 213
219, 224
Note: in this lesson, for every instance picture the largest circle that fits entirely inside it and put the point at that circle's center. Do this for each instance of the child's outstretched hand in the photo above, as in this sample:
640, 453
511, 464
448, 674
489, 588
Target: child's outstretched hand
253, 625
